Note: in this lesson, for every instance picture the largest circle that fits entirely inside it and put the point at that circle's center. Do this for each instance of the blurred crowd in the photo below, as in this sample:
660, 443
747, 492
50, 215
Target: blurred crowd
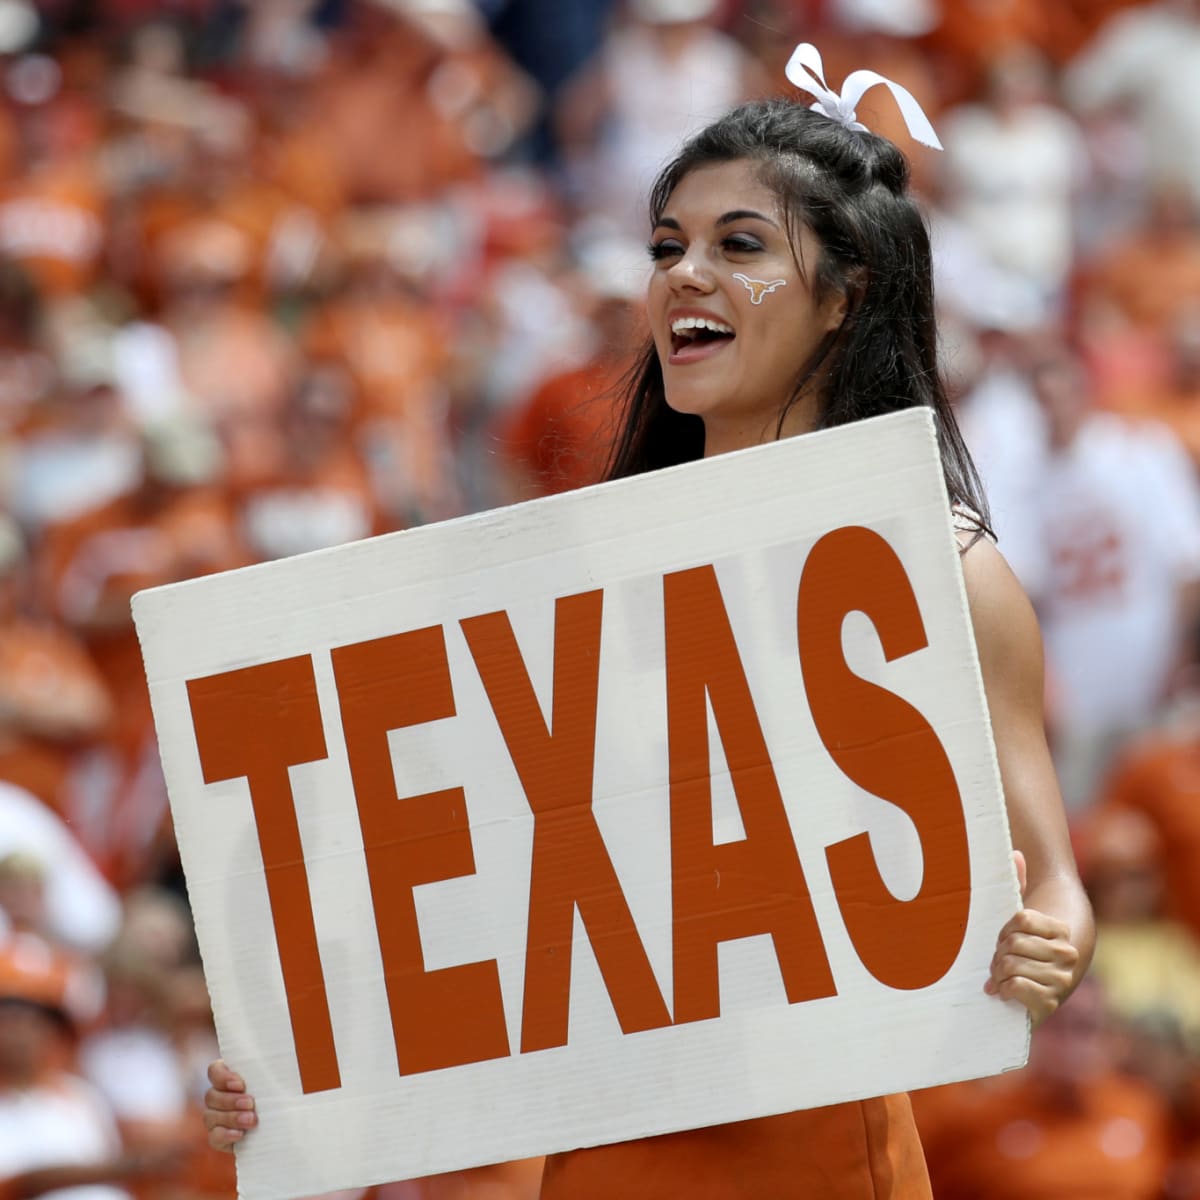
279, 274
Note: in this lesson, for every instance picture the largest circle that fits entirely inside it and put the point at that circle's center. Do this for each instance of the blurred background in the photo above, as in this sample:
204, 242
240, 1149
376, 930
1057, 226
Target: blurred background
275, 275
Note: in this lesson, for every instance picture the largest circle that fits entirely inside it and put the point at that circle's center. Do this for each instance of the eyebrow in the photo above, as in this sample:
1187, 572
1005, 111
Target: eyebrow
738, 214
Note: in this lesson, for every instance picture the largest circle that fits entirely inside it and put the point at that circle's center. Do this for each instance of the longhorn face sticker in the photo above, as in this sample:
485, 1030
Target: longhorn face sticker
758, 288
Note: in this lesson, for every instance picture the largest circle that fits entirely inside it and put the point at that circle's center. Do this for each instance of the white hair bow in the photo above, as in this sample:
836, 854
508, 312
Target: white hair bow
806, 71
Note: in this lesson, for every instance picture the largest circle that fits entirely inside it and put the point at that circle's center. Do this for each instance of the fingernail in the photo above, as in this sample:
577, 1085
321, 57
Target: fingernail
246, 1120
246, 1102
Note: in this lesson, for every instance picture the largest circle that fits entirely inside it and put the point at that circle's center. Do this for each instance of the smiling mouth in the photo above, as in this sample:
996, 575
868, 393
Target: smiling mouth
695, 344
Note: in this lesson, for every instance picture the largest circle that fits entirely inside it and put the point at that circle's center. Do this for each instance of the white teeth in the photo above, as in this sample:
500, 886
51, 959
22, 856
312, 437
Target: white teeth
686, 325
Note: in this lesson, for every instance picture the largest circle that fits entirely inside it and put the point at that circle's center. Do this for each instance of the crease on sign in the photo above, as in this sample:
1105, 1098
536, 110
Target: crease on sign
854, 905
892, 739
777, 903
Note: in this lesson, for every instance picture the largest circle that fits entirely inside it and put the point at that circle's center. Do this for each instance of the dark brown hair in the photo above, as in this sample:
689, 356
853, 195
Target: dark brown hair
851, 189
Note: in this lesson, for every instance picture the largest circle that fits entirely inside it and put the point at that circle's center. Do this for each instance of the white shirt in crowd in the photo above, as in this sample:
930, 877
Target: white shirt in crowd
657, 102
1120, 536
59, 1122
1012, 182
1148, 57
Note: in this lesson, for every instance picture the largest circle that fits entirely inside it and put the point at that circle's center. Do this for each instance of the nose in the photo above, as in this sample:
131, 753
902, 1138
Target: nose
689, 272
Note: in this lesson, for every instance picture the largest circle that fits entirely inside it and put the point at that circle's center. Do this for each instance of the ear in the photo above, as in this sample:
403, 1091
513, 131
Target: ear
840, 303
836, 308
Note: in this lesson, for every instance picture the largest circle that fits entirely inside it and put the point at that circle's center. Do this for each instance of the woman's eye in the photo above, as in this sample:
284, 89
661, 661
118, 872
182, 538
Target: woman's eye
741, 245
663, 249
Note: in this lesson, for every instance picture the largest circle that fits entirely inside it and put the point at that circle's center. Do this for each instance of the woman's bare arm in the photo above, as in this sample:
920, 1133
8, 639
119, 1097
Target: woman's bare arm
1043, 952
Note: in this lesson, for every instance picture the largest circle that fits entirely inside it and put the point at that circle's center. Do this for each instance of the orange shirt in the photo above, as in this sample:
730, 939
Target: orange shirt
561, 436
52, 222
974, 33
1007, 1140
1151, 278
866, 1150
58, 701
1176, 407
397, 352
1161, 777
368, 92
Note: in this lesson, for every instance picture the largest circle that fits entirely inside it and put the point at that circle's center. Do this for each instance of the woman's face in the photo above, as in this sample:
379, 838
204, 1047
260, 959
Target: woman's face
733, 317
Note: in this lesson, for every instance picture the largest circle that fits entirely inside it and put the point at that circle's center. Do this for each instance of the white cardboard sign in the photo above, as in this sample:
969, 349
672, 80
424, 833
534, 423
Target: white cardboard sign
653, 806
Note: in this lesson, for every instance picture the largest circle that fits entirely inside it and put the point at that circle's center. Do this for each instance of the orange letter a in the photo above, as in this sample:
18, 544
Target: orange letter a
740, 888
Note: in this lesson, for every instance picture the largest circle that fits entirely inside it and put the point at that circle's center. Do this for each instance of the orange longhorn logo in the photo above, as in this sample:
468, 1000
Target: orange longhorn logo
759, 288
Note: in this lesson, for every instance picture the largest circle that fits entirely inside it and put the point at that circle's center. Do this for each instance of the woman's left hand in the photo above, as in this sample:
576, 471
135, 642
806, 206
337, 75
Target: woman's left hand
1035, 960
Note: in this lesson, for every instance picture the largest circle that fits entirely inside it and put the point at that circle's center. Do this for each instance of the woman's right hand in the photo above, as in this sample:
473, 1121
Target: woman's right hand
228, 1109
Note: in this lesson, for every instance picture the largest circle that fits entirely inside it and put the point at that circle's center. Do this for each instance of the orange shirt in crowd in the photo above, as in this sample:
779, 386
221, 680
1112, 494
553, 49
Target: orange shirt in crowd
52, 221
310, 506
53, 699
866, 1150
367, 93
97, 561
1176, 407
1150, 279
397, 352
395, 348
1161, 777
1008, 1139
560, 437
974, 33
93, 565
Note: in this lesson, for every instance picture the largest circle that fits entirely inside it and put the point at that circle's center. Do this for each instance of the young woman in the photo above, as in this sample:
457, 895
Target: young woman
792, 291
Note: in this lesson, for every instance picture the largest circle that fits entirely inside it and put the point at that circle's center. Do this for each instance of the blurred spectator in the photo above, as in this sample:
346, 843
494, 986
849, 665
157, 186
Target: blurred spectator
551, 41
561, 436
1013, 167
1159, 777
154, 88
236, 366
145, 1058
52, 212
1068, 1126
1175, 398
53, 700
1148, 58
661, 77
391, 349
27, 372
1006, 431
175, 524
81, 451
322, 495
968, 38
427, 67
1119, 512
524, 324
78, 908
1150, 277
1150, 966
56, 1135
